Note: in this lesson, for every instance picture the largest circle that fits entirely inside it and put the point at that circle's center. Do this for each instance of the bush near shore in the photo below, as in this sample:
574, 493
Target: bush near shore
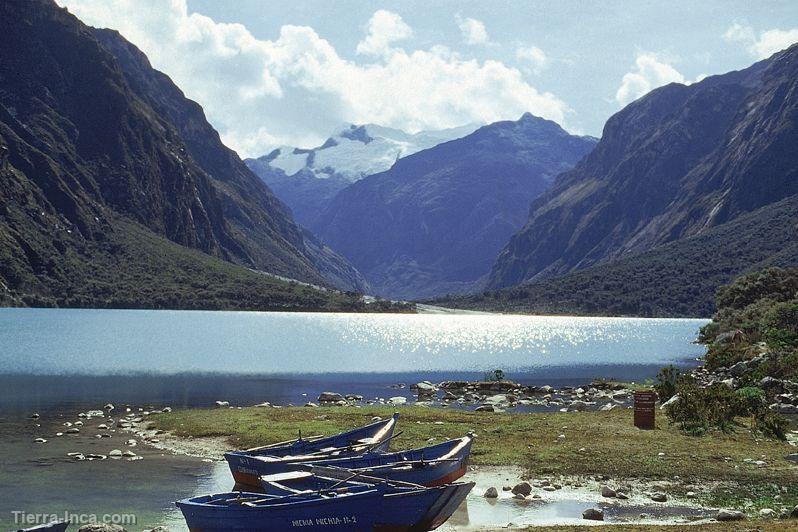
751, 365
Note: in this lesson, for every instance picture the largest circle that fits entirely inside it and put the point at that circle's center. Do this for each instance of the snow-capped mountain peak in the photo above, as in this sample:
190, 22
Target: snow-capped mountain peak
355, 151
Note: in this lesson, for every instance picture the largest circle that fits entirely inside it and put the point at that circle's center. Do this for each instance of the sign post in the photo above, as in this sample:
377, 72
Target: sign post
645, 410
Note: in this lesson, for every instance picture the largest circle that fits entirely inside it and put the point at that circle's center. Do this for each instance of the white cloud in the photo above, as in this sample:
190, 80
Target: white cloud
650, 72
382, 29
296, 88
533, 56
473, 30
766, 44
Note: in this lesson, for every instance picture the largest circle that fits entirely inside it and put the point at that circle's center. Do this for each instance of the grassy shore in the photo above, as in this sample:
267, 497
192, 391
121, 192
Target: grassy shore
545, 444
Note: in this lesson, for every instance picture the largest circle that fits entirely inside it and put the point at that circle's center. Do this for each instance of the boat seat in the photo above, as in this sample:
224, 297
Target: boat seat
287, 475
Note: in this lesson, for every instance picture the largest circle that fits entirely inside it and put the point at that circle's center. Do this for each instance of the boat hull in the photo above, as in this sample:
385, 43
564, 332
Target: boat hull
350, 513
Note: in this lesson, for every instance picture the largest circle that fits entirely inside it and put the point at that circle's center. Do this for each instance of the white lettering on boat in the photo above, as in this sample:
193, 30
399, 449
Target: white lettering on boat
325, 521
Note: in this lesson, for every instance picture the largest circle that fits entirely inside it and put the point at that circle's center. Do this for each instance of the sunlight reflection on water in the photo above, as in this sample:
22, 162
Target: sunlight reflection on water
114, 341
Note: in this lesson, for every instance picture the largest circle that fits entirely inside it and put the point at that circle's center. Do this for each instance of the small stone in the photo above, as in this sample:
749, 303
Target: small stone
507, 488
767, 513
690, 495
101, 527
40, 440
607, 491
398, 400
72, 430
102, 426
523, 488
311, 405
491, 493
622, 496
549, 488
35, 415
659, 497
593, 514
166, 410
375, 419
519, 496
729, 515
222, 403
116, 453
129, 454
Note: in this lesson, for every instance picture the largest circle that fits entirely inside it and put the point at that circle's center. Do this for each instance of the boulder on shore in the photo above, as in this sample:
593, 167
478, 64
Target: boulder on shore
593, 514
607, 491
729, 515
523, 488
101, 527
330, 397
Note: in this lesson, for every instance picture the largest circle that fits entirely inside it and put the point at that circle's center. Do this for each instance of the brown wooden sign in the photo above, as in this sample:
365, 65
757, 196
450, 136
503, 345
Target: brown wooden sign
645, 411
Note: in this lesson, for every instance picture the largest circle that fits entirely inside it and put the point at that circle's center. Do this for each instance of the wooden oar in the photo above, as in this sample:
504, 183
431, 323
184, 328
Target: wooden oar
409, 462
354, 446
287, 442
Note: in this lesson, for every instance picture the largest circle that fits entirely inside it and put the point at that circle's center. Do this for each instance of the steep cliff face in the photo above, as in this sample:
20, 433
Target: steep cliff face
434, 222
88, 139
675, 163
248, 205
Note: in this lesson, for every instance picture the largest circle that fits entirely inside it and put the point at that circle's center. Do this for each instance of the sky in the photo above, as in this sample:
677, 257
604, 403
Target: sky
290, 72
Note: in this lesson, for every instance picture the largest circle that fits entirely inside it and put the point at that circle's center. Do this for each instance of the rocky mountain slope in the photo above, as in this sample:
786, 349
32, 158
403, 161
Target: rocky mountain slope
435, 221
675, 279
95, 142
308, 179
673, 164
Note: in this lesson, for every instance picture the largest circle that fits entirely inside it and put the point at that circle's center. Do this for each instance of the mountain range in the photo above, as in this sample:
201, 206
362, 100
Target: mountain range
98, 150
673, 164
307, 179
690, 186
434, 222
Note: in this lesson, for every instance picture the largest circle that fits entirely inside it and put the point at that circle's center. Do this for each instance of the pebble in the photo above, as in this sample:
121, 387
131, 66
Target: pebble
607, 491
767, 513
593, 514
222, 403
116, 453
622, 496
129, 454
491, 493
659, 497
72, 430
40, 440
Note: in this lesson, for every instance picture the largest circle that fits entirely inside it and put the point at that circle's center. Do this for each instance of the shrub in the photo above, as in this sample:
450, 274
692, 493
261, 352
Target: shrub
666, 382
494, 376
700, 409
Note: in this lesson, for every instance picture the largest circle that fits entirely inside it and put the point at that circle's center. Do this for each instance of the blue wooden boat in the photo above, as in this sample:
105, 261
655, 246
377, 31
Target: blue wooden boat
428, 466
340, 510
404, 507
248, 465
55, 526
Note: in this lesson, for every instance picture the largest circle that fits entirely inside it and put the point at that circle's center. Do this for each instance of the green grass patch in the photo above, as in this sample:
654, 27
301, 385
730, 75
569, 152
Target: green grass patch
594, 443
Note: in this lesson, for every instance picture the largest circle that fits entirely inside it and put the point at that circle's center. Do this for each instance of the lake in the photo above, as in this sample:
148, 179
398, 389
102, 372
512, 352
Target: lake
61, 362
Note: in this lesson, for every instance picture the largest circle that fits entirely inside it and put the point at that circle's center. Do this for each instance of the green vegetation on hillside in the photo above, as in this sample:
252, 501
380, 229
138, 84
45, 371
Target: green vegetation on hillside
678, 279
112, 274
757, 325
